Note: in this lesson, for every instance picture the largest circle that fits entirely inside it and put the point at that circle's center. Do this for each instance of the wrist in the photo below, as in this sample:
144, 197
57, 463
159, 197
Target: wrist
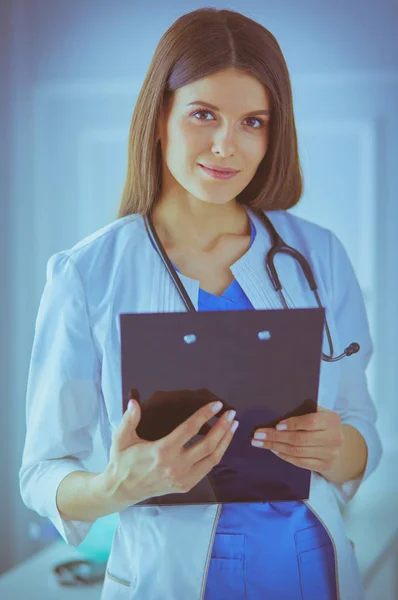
105, 487
352, 459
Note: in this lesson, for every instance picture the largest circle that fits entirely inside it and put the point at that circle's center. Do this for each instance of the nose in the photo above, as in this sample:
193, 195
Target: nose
224, 142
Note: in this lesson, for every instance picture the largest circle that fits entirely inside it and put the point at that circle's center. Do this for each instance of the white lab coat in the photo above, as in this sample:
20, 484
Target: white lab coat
74, 384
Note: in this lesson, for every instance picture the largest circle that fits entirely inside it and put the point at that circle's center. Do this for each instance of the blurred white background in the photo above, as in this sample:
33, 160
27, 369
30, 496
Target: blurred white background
70, 74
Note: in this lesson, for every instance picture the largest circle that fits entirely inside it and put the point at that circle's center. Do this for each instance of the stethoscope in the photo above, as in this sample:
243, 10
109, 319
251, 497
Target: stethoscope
278, 245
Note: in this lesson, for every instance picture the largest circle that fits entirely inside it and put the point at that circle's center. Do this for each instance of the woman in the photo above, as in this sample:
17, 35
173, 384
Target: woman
217, 93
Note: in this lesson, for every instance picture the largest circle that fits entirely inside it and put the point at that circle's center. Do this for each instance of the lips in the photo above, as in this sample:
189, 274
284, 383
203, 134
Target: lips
220, 169
223, 175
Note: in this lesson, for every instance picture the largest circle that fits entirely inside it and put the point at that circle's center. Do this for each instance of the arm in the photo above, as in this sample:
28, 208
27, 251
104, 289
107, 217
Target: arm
83, 496
62, 402
362, 447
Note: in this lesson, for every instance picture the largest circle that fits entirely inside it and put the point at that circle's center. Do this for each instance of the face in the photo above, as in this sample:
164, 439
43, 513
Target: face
233, 135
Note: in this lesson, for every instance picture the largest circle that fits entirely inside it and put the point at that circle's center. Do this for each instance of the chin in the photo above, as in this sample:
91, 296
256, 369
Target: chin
218, 201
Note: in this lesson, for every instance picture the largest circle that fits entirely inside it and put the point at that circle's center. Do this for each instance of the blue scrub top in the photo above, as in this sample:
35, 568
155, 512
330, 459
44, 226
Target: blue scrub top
267, 550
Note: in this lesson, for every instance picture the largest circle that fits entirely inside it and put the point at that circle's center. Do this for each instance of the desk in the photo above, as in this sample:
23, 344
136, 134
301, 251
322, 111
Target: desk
34, 580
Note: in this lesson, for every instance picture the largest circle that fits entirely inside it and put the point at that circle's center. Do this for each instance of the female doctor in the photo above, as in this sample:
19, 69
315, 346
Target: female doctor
212, 167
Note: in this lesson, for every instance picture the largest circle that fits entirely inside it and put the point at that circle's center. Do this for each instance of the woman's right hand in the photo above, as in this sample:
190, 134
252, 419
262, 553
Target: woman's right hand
139, 469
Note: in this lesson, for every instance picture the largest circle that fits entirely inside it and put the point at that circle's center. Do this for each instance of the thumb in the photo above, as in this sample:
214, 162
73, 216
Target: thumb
126, 435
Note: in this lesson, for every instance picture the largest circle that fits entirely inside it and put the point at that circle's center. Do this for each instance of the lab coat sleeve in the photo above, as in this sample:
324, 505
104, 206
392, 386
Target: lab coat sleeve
354, 403
62, 396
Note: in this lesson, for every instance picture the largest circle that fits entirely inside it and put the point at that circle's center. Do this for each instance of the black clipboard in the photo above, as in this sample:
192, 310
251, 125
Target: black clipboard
265, 364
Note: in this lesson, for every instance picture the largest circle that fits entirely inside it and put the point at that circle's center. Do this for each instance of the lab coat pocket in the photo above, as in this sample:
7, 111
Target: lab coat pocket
227, 570
316, 563
116, 587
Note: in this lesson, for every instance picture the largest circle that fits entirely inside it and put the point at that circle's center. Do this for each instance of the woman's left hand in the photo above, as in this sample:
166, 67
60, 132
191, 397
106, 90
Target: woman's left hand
311, 441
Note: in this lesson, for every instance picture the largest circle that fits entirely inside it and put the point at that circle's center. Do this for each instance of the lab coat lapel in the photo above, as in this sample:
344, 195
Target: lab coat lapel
251, 274
164, 296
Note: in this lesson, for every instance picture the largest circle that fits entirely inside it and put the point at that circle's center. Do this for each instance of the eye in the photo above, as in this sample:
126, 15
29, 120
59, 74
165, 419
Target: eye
262, 123
201, 112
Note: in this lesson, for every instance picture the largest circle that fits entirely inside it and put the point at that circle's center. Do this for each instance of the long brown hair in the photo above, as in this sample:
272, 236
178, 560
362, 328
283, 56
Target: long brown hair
197, 45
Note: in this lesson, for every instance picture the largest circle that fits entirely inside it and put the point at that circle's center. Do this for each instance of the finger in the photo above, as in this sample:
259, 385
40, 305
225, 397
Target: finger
220, 434
212, 454
316, 452
312, 464
125, 435
311, 422
191, 426
300, 437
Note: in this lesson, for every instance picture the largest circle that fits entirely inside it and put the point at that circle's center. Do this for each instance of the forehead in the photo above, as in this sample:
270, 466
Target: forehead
230, 90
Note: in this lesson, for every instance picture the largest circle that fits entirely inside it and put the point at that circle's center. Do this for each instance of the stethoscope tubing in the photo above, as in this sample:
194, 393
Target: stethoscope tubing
277, 245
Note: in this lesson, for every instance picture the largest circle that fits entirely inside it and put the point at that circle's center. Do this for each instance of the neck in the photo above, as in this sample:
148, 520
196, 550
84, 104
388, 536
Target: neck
197, 223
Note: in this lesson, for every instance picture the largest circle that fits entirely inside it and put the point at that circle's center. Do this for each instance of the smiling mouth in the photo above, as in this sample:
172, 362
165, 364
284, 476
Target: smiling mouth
220, 175
228, 171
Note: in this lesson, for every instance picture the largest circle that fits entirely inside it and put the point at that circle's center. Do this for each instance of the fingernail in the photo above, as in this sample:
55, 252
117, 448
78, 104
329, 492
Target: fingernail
230, 416
234, 426
216, 406
130, 406
259, 444
260, 436
281, 427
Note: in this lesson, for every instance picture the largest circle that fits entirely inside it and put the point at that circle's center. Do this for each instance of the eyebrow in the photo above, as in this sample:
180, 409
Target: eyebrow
212, 106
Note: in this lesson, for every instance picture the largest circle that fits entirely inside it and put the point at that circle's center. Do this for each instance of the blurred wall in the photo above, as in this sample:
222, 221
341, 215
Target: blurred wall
8, 447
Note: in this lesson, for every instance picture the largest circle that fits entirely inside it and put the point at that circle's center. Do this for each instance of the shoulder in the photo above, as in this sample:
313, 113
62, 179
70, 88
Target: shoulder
312, 240
302, 231
100, 251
